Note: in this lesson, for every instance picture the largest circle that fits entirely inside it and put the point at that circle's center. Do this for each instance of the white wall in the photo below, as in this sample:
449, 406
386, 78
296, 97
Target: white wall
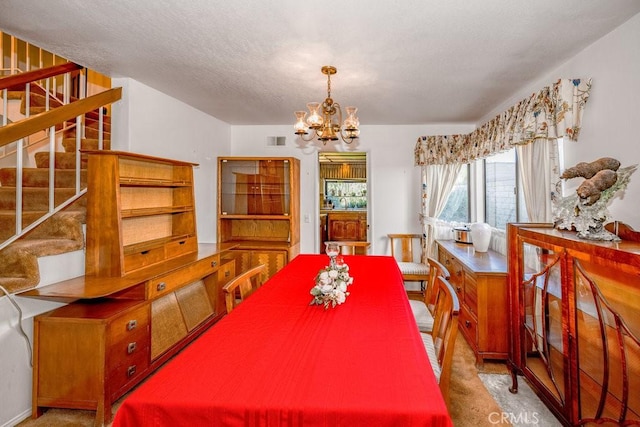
612, 113
144, 121
149, 122
394, 180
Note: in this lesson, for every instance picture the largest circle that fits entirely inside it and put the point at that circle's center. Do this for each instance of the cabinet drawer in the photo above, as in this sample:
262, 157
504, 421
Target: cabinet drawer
468, 325
181, 247
170, 282
227, 271
136, 260
131, 326
471, 293
127, 369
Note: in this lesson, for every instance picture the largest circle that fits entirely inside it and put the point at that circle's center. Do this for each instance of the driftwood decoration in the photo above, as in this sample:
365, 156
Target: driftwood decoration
586, 210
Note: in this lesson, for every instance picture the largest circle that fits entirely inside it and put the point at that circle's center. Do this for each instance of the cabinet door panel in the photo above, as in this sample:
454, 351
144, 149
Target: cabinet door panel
167, 324
608, 339
274, 260
194, 304
543, 323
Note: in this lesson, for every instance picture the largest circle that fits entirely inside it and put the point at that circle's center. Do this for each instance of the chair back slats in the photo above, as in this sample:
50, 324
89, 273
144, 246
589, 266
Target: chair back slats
436, 269
240, 287
445, 330
409, 245
350, 247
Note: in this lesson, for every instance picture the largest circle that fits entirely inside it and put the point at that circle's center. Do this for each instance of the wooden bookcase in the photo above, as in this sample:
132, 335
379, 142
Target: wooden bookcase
149, 287
574, 323
259, 210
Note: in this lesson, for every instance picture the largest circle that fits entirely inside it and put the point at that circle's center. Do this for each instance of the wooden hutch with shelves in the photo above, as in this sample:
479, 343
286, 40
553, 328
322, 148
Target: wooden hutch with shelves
259, 210
149, 287
574, 322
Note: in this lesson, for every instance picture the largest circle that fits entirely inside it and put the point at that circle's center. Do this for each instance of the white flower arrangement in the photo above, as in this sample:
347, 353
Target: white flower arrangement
331, 286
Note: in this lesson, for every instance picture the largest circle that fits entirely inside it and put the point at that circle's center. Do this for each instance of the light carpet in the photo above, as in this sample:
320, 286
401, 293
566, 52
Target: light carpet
521, 409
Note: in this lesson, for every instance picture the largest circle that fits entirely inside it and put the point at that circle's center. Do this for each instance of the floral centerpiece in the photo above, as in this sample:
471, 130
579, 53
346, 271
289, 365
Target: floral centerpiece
331, 285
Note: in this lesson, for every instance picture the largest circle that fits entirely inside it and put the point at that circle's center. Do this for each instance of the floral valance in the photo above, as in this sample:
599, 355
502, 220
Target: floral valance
553, 112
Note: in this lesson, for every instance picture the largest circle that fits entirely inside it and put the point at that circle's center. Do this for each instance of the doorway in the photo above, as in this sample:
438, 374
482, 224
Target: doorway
344, 197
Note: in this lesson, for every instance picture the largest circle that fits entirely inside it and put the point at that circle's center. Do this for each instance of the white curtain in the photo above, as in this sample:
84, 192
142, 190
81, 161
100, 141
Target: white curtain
538, 166
437, 183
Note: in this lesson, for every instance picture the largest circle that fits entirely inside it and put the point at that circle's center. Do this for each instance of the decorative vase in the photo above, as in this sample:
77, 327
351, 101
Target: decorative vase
480, 236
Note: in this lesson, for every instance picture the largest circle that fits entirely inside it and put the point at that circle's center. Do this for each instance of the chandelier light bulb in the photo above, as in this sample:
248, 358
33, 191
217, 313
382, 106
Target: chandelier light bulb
351, 122
300, 126
315, 119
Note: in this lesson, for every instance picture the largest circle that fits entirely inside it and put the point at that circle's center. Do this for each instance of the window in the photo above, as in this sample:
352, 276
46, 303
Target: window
494, 179
457, 207
503, 199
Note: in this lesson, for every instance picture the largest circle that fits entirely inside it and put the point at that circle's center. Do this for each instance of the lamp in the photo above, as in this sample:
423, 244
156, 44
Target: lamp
322, 122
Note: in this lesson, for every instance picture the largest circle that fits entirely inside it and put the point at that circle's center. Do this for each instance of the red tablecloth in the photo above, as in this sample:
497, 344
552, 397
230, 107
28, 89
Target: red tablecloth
277, 361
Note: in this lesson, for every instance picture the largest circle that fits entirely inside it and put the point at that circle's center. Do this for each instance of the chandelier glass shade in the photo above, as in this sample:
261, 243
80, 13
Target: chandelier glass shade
325, 120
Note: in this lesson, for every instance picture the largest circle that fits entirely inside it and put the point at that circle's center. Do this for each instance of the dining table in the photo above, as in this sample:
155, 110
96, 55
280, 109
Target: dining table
277, 360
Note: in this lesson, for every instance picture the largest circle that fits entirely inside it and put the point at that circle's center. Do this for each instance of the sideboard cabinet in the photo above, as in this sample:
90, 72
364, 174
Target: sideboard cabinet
150, 288
575, 324
259, 210
480, 282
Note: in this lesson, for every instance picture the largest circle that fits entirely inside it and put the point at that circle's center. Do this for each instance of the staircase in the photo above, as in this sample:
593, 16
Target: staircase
62, 232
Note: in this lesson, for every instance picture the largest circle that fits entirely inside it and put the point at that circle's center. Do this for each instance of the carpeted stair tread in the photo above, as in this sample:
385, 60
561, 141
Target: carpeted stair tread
8, 222
39, 177
62, 160
19, 269
69, 144
34, 198
88, 133
46, 247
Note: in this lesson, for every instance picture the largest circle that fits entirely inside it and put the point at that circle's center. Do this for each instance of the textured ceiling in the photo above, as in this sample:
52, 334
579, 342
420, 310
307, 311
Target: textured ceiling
255, 62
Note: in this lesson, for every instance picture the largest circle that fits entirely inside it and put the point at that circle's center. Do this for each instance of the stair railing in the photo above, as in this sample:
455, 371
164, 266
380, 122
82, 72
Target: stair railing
44, 80
17, 132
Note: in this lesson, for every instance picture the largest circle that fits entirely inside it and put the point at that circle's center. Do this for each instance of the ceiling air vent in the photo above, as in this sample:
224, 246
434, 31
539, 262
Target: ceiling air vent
276, 140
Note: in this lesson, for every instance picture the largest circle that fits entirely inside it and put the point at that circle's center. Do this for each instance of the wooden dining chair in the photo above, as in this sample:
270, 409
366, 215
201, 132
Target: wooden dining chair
423, 310
440, 343
352, 247
240, 287
406, 249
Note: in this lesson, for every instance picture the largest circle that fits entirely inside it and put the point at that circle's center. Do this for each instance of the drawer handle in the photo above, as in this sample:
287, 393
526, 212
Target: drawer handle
144, 252
467, 323
131, 347
227, 273
182, 242
132, 325
214, 263
161, 286
459, 289
131, 371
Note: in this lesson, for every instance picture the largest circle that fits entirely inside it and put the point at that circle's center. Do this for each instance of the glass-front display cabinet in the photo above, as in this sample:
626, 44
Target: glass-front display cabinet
259, 209
574, 323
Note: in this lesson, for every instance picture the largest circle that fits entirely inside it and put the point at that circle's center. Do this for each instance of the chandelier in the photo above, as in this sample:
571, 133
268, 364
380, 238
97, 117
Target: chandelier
325, 121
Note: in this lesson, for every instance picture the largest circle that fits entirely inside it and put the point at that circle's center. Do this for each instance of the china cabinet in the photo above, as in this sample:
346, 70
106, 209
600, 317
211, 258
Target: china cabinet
574, 322
480, 281
259, 210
